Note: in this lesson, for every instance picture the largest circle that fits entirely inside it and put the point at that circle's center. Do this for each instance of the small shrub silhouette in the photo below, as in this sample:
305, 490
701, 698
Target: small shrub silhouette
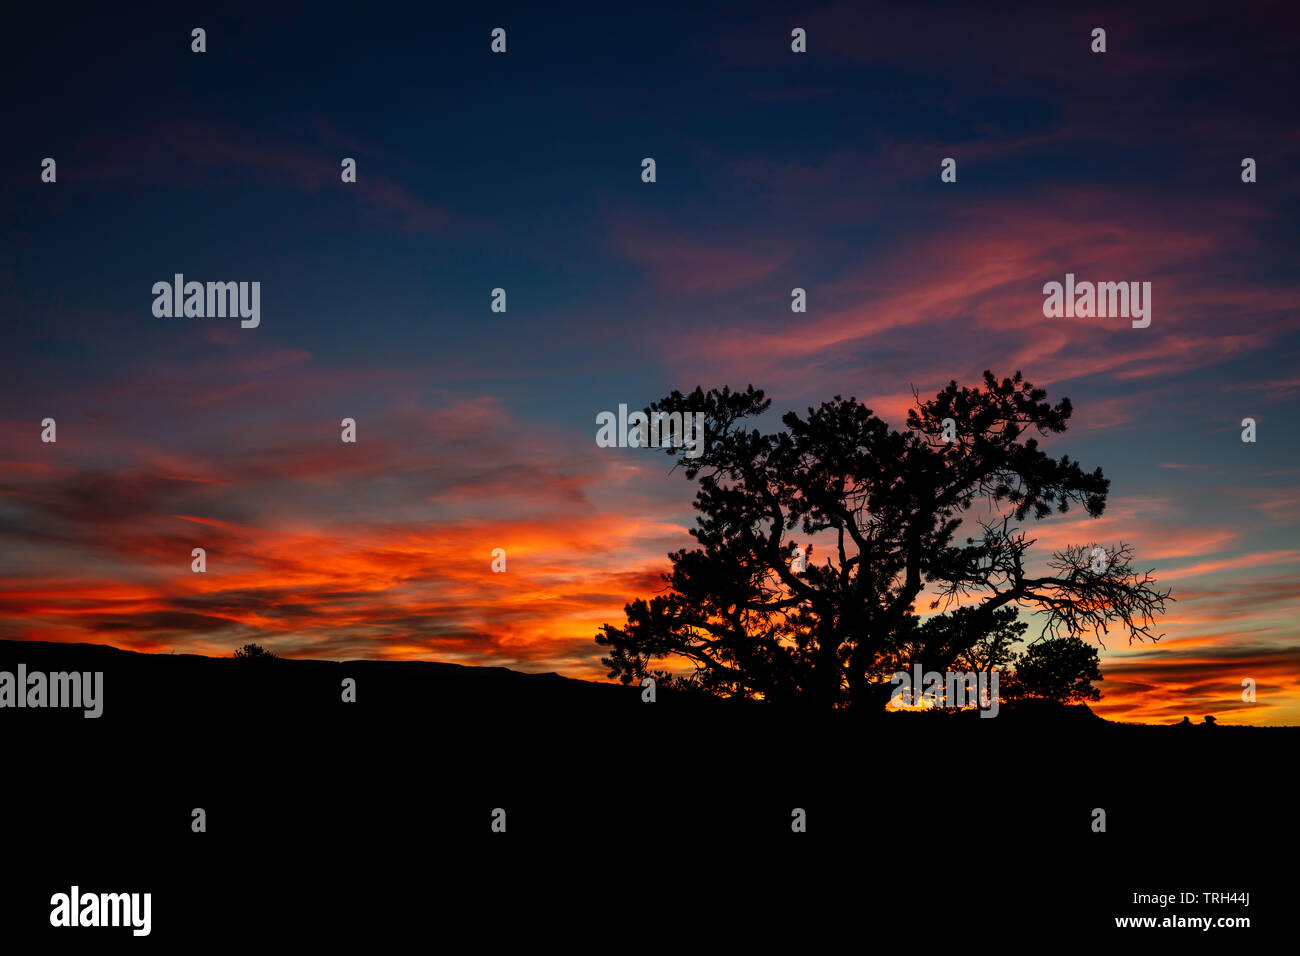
1060, 669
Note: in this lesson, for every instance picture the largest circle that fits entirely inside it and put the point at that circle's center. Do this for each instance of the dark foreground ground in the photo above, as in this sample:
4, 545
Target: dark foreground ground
627, 824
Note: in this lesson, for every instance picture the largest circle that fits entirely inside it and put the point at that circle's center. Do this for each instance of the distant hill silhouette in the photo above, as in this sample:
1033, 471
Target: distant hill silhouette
142, 685
199, 689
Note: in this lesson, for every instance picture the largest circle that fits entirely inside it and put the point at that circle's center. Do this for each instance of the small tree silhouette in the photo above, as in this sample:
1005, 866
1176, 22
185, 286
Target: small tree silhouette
989, 648
1060, 669
253, 652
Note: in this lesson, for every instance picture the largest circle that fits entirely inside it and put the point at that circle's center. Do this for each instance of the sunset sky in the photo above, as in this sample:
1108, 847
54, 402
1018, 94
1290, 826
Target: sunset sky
523, 171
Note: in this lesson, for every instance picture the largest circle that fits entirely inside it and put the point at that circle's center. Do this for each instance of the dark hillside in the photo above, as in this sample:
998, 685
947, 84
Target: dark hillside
294, 781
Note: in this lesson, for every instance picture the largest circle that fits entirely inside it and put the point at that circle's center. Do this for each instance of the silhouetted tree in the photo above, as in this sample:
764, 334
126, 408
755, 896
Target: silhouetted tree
253, 652
885, 507
1060, 669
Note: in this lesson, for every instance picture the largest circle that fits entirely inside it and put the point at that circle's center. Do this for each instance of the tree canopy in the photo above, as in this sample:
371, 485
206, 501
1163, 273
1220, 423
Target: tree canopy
816, 541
